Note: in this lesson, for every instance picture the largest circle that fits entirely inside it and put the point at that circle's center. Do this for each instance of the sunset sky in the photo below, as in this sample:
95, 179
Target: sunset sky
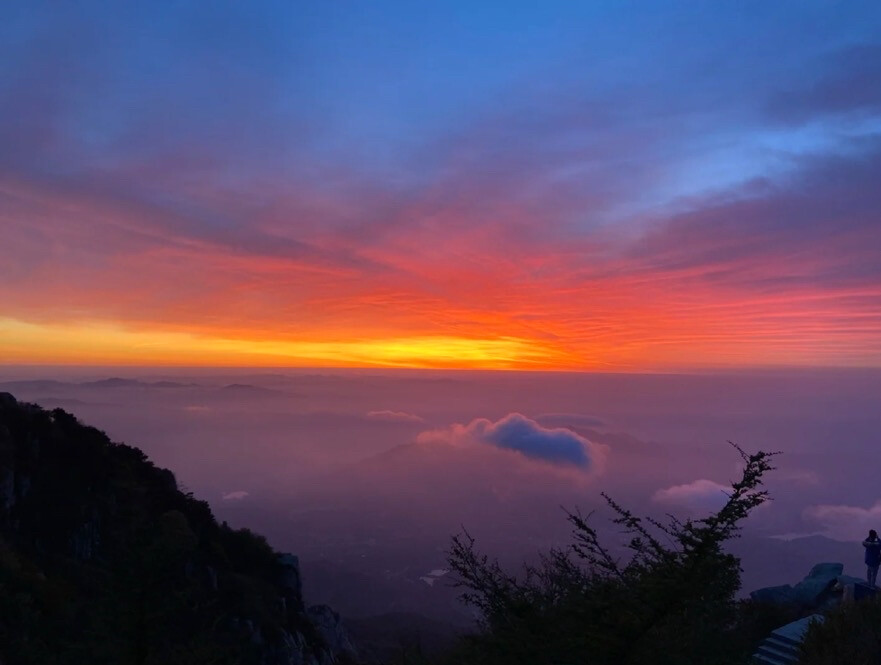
616, 186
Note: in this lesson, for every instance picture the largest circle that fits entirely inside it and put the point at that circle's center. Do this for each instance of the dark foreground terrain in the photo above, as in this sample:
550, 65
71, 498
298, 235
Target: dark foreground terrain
104, 560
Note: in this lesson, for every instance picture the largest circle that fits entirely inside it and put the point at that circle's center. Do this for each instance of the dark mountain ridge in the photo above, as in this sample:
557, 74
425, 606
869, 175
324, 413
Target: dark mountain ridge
52, 385
104, 560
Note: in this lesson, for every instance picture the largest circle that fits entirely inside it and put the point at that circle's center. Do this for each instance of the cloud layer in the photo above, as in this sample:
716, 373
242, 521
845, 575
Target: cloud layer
844, 522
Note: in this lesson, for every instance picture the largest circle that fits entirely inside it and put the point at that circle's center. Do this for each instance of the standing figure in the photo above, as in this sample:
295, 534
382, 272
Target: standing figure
873, 556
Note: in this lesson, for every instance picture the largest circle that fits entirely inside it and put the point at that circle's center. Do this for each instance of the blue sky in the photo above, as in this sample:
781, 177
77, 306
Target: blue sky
373, 85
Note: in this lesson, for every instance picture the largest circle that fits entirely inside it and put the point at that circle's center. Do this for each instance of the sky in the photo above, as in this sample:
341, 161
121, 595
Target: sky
607, 186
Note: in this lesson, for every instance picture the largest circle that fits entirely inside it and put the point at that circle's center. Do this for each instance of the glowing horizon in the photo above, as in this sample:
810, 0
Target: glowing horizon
76, 344
100, 344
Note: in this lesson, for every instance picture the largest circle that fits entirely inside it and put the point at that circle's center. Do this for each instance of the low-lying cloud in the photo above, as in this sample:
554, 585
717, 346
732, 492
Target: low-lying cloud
517, 433
395, 416
702, 495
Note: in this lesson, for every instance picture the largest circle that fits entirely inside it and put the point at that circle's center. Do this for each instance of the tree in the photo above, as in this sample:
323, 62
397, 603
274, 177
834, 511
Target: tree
671, 601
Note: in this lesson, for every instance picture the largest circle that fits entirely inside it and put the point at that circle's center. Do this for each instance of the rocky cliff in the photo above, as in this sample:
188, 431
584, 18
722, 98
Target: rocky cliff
104, 560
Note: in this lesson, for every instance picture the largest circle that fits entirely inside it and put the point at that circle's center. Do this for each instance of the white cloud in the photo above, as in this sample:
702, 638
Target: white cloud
703, 495
517, 433
238, 495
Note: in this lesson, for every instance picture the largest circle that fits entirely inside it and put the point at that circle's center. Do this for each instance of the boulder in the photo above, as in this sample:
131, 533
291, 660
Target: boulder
819, 589
813, 589
826, 570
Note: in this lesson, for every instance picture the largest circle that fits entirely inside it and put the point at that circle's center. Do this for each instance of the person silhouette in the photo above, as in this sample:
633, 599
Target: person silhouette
873, 556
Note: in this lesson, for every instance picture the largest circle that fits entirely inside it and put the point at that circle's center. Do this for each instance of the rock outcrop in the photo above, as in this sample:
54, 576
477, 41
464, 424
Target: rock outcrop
820, 589
291, 582
332, 631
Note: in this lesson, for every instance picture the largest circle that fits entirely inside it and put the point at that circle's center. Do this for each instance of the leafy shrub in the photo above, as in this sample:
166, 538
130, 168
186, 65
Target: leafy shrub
850, 634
